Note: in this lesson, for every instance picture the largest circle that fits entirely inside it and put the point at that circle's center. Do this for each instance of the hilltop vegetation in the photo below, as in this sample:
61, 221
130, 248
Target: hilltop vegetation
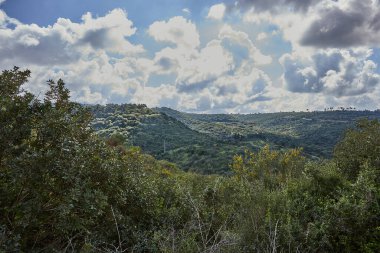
316, 132
164, 137
206, 143
65, 189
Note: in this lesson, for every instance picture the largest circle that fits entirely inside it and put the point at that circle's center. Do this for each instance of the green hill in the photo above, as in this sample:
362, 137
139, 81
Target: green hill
63, 188
315, 132
206, 143
165, 137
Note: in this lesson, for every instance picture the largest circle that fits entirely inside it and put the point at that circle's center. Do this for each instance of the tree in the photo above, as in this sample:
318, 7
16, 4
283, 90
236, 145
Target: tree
60, 185
359, 146
15, 107
273, 168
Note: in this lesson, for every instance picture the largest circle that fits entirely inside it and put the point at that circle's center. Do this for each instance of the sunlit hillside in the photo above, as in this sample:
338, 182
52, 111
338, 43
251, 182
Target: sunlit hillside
206, 143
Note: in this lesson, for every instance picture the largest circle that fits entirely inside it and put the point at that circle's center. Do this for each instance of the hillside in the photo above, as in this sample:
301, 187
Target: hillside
206, 143
64, 188
165, 137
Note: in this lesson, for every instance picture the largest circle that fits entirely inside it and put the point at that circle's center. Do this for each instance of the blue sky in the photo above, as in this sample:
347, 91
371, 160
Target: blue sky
201, 56
143, 13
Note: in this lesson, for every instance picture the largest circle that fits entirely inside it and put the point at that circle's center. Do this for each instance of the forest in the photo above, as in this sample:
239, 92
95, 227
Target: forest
206, 143
77, 178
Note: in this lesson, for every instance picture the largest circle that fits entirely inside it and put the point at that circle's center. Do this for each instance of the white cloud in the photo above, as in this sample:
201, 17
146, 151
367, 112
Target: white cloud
93, 56
221, 76
187, 11
2, 17
163, 95
238, 38
343, 24
317, 78
334, 72
290, 25
85, 95
251, 16
328, 24
261, 36
102, 79
177, 30
217, 12
199, 72
66, 42
5, 20
108, 32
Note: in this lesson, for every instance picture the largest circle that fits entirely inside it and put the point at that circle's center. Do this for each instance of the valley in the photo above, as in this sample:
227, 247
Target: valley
206, 143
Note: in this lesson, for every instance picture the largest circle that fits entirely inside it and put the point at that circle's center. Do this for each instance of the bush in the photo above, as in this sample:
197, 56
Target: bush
62, 188
358, 147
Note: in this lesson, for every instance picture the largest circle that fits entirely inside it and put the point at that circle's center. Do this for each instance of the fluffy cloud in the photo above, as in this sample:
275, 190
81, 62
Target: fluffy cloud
345, 24
222, 75
93, 56
100, 65
217, 12
329, 24
65, 42
177, 30
6, 21
320, 71
163, 95
3, 17
241, 46
332, 72
290, 25
261, 36
221, 72
210, 63
107, 33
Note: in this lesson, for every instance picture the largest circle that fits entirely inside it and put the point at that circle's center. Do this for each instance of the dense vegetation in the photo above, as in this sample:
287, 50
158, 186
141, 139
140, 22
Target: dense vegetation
64, 189
164, 137
206, 143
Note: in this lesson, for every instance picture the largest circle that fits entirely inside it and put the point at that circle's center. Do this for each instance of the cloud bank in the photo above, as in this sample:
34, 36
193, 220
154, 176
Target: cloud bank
333, 72
345, 24
326, 23
216, 65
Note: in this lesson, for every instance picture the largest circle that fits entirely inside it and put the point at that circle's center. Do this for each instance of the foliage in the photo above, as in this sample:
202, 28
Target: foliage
272, 168
363, 145
65, 189
164, 137
185, 139
59, 183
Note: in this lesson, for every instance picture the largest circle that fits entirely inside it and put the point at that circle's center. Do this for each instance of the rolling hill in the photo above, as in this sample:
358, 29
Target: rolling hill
205, 143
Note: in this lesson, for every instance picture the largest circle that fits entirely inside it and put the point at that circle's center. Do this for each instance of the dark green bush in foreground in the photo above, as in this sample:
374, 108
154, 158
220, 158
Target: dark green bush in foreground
63, 189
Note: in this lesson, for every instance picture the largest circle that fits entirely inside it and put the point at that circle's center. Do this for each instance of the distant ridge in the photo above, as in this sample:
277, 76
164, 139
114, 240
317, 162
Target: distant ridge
206, 143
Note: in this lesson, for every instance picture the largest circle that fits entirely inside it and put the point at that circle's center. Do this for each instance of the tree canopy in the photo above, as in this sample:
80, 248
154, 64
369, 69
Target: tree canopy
65, 189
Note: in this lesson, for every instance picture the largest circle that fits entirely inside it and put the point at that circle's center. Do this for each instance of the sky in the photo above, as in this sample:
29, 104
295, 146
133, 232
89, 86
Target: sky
209, 56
